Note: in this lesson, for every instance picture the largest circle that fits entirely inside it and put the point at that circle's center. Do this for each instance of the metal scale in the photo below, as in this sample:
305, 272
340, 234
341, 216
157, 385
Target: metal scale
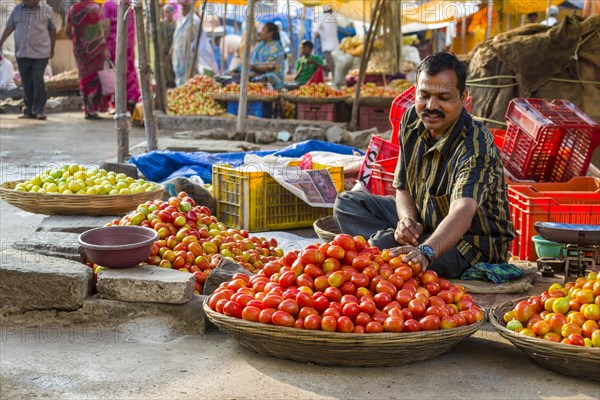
581, 250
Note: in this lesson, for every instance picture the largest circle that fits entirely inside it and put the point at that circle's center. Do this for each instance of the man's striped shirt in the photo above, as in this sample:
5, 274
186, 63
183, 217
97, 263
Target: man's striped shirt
463, 163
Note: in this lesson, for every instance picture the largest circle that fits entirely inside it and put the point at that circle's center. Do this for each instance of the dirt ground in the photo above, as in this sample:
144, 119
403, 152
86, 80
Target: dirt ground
143, 359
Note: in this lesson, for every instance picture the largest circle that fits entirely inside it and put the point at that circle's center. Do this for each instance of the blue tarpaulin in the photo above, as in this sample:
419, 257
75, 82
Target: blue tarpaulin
160, 166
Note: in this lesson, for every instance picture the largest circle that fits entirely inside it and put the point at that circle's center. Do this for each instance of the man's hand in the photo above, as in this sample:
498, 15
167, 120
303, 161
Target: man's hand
413, 255
408, 231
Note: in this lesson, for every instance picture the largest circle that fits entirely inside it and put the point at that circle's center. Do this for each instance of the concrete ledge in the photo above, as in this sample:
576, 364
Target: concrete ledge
29, 281
52, 244
134, 320
72, 224
195, 122
146, 283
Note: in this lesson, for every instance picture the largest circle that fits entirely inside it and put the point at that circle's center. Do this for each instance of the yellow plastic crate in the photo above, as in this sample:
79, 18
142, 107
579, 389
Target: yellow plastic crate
254, 201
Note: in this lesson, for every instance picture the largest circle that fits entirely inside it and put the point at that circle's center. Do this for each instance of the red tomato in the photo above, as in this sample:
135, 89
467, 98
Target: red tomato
448, 323
403, 297
313, 271
576, 339
333, 294
362, 319
432, 287
344, 325
407, 314
272, 301
351, 310
337, 279
393, 324
329, 324
344, 241
386, 287
348, 288
430, 323
321, 303
348, 298
304, 300
312, 322
255, 303
305, 280
436, 301
333, 312
250, 313
282, 318
312, 256
417, 307
243, 299
412, 325
429, 276
469, 317
374, 327
266, 315
379, 316
350, 256
382, 299
331, 265
336, 252
232, 309
359, 329
321, 283
368, 307
289, 306
361, 262
360, 280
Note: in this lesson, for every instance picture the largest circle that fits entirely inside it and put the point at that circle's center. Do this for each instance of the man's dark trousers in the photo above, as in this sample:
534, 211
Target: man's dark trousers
32, 81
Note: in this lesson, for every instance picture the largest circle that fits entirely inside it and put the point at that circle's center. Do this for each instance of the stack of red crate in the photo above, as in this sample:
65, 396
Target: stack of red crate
548, 142
379, 149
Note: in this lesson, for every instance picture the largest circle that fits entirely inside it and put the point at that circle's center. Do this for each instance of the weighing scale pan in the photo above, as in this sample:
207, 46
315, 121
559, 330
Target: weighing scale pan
569, 233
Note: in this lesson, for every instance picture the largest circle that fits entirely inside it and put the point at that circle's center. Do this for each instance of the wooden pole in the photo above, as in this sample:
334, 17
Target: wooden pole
145, 74
375, 16
490, 12
159, 59
223, 55
189, 65
195, 56
122, 124
291, 32
463, 28
241, 117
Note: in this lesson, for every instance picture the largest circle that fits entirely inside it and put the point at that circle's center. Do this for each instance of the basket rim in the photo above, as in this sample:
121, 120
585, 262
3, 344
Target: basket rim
298, 333
4, 189
494, 317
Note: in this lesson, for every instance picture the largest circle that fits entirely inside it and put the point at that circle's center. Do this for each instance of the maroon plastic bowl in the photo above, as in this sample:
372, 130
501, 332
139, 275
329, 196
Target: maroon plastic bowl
118, 246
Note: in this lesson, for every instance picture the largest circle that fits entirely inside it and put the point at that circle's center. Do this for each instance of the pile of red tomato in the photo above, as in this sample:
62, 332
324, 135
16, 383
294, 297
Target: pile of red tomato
346, 286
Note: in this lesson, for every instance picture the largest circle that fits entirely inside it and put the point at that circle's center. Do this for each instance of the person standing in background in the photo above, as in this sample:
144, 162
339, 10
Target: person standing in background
85, 27
35, 36
532, 18
110, 11
327, 31
167, 30
552, 13
182, 49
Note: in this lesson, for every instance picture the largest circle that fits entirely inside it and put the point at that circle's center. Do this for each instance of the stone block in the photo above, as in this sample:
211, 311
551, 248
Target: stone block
53, 244
307, 133
29, 281
73, 223
265, 137
361, 139
214, 133
337, 134
146, 283
223, 273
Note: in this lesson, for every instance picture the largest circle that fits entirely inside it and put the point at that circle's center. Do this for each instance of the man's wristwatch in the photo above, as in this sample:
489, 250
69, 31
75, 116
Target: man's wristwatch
427, 251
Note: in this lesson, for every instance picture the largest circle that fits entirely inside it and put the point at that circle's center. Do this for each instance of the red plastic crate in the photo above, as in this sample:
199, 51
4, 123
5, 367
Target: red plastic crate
382, 177
573, 202
405, 101
318, 111
379, 149
548, 142
375, 117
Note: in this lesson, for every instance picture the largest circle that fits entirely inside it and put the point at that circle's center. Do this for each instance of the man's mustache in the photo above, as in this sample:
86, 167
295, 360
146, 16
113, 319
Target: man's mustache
433, 113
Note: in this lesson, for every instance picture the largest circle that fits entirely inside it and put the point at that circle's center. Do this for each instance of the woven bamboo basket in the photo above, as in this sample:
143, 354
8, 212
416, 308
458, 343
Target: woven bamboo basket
580, 362
313, 100
251, 98
75, 204
326, 228
340, 349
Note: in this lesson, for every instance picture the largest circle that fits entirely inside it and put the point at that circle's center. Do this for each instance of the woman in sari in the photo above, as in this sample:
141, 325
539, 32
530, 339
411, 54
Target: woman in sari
133, 86
86, 29
268, 50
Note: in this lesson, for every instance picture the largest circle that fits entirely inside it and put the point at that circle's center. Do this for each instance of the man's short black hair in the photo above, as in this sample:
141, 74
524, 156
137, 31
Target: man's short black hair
438, 62
308, 43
